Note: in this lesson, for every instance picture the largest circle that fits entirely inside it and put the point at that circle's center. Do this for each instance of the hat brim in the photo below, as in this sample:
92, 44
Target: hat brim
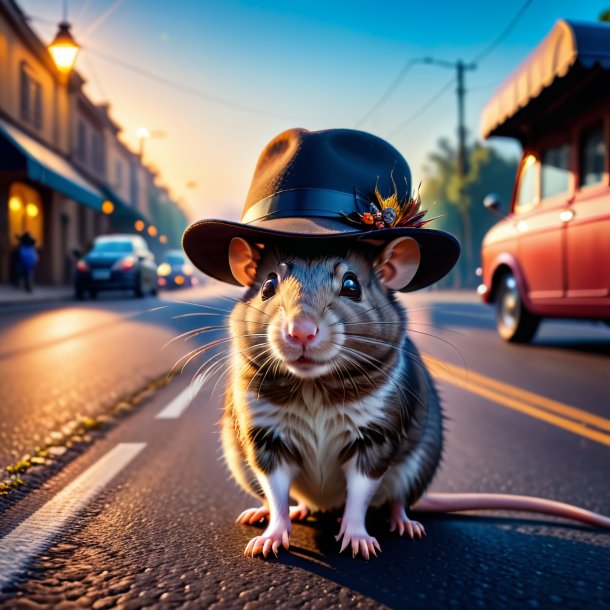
206, 244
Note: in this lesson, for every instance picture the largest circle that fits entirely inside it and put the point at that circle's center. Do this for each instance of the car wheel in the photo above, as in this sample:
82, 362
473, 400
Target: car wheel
138, 288
514, 322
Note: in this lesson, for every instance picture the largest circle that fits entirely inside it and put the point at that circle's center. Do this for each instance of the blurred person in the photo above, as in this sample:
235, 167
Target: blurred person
27, 260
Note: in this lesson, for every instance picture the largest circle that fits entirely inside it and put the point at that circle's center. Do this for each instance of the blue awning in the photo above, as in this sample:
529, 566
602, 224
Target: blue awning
49, 168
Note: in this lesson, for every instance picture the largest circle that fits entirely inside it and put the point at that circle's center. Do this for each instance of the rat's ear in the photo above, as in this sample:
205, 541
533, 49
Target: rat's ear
243, 259
398, 263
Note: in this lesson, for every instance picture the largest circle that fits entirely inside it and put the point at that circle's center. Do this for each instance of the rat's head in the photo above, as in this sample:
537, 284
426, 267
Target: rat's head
321, 311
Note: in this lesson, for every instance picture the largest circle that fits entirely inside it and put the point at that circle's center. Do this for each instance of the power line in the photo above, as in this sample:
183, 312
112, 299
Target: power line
180, 87
390, 90
504, 33
477, 59
427, 104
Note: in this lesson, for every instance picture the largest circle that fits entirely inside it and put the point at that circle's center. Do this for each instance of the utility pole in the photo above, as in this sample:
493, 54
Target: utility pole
460, 67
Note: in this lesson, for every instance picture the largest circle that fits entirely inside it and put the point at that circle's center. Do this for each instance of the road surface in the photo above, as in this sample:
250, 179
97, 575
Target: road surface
142, 515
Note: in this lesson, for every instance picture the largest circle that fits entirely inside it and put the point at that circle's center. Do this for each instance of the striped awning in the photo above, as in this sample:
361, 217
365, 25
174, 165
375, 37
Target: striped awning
568, 45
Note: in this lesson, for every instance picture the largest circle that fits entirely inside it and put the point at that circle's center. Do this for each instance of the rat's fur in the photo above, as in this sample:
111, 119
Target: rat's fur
361, 424
372, 401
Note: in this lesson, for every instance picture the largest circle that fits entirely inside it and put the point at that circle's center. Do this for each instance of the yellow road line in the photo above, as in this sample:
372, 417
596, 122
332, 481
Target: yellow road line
521, 400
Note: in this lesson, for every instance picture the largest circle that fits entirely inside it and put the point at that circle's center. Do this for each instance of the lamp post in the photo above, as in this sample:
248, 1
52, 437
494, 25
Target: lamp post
143, 134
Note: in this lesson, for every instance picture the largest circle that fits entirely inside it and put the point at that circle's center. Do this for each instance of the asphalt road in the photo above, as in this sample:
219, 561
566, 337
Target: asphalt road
143, 516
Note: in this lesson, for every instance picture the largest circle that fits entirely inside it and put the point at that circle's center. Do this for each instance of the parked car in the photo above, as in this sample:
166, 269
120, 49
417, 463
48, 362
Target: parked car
549, 256
175, 271
116, 262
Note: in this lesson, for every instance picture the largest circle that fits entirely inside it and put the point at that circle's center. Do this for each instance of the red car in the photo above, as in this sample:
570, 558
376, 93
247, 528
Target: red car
550, 257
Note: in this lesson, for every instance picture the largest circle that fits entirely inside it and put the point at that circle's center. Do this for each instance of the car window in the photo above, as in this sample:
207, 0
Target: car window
112, 246
527, 190
592, 155
554, 173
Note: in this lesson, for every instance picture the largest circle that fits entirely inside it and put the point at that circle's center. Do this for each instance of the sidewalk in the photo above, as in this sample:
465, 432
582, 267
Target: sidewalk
9, 295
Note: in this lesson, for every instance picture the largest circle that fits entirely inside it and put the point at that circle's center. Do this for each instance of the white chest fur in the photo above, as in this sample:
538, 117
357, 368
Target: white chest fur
319, 432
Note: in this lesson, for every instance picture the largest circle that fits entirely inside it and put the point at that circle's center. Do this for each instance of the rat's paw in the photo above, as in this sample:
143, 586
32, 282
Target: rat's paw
253, 515
360, 542
401, 523
299, 512
269, 541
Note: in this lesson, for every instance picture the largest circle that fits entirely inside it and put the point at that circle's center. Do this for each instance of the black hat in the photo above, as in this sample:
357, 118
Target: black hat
326, 187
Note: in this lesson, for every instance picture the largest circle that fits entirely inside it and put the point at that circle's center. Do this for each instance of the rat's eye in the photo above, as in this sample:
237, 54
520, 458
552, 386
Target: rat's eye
350, 287
269, 286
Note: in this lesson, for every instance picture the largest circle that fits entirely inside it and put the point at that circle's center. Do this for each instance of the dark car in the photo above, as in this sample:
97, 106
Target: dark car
175, 271
116, 262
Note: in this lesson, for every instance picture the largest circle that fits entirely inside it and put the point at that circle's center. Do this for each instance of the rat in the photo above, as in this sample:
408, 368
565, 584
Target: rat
328, 400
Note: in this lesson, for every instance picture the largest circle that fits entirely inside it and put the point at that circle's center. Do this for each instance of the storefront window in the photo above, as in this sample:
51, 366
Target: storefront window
592, 155
25, 213
527, 192
31, 97
555, 174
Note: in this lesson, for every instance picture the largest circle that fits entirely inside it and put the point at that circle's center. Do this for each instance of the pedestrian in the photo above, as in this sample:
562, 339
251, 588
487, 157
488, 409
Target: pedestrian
27, 259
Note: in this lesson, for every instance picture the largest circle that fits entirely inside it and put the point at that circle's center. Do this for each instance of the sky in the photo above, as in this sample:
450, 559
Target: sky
249, 70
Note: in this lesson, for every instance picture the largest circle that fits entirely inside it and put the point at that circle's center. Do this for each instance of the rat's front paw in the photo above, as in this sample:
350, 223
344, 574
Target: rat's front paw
401, 523
359, 540
270, 540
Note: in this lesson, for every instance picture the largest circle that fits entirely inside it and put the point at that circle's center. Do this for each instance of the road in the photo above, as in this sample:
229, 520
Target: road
141, 514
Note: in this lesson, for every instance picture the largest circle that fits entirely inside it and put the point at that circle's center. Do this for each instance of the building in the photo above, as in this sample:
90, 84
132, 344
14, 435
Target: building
65, 174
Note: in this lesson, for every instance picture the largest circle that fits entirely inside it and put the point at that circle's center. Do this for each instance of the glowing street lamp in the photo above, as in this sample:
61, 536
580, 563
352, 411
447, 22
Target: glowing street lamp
152, 231
138, 225
163, 239
64, 49
107, 207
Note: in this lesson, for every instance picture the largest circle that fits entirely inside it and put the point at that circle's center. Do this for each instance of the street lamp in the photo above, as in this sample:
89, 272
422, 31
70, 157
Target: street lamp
143, 134
64, 48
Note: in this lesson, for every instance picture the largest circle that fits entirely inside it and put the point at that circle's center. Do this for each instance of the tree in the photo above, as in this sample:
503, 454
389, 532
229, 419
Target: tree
460, 205
605, 16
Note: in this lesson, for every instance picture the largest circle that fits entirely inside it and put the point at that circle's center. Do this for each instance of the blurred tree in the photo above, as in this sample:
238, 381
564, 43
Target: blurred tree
461, 210
605, 16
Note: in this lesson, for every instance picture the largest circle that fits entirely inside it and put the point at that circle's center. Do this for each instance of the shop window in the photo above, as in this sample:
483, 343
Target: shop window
31, 97
527, 191
555, 174
592, 155
25, 213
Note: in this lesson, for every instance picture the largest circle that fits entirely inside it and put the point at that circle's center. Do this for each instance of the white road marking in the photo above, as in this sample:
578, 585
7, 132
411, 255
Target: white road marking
181, 402
32, 536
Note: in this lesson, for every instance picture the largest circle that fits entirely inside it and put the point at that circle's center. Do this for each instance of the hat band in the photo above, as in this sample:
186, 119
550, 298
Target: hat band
301, 203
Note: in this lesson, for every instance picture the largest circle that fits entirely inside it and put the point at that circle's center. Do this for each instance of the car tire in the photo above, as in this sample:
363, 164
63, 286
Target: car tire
514, 322
138, 288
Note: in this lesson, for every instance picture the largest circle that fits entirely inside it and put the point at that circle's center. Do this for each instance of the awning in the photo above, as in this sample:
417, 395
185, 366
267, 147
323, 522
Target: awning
568, 45
49, 168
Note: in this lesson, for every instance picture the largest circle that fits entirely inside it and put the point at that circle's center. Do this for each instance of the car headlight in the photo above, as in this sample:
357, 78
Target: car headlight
164, 269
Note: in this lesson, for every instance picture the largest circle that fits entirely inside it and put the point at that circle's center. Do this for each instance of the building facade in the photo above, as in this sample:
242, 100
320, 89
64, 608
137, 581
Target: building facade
65, 174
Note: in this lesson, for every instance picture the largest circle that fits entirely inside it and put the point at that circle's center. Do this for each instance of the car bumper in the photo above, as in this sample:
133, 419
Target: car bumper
117, 280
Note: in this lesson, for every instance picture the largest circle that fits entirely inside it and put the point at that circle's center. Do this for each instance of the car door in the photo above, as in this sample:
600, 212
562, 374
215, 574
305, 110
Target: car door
540, 233
588, 221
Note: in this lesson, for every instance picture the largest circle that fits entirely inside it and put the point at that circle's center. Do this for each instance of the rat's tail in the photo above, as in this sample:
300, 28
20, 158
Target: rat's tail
451, 503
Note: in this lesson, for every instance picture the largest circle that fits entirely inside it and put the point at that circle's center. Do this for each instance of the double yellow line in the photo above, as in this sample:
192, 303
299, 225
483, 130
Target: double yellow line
564, 416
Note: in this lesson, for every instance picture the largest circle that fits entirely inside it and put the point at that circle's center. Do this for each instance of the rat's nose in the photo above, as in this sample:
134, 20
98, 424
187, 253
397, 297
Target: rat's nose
302, 330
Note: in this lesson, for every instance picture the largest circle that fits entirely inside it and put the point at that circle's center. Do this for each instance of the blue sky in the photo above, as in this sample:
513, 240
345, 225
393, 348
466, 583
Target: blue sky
297, 63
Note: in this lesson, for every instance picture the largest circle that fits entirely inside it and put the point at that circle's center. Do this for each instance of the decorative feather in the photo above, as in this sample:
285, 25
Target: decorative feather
408, 212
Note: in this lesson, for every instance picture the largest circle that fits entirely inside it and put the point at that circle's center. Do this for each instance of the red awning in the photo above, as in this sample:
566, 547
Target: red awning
568, 45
